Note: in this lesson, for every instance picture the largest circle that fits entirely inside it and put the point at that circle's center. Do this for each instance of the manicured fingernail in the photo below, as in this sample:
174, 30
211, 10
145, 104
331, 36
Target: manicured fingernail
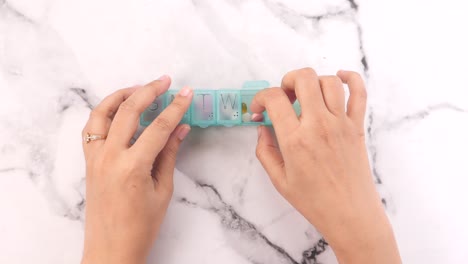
183, 132
256, 117
185, 91
163, 78
259, 130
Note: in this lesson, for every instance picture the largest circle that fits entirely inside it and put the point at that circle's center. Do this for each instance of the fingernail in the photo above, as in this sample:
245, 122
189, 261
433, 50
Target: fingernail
256, 117
163, 78
185, 91
259, 130
183, 132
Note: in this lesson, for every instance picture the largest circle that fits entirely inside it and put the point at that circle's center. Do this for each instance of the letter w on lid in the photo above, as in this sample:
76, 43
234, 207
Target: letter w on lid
229, 107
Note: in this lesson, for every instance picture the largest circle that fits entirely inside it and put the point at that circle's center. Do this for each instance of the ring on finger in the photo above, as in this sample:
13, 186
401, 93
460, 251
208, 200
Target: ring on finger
92, 137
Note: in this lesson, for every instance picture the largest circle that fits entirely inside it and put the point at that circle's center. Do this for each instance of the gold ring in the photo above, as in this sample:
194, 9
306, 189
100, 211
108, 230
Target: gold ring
91, 137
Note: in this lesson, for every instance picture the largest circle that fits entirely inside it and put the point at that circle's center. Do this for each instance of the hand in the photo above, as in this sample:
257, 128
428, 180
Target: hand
128, 188
320, 164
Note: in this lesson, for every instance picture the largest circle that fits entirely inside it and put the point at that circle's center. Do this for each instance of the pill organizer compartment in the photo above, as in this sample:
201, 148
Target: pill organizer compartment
247, 96
229, 109
203, 108
153, 110
171, 94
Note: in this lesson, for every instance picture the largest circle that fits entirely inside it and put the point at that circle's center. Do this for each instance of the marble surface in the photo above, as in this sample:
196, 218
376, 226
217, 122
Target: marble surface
58, 58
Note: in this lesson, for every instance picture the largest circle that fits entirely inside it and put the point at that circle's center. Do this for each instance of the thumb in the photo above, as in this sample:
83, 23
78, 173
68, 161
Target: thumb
163, 167
268, 153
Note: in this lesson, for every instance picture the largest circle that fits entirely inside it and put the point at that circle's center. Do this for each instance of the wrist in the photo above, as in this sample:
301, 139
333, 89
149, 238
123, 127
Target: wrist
107, 257
366, 241
86, 260
380, 248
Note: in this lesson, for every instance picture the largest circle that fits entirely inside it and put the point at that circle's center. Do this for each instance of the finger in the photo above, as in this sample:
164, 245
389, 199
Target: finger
270, 156
279, 108
305, 84
101, 116
155, 136
166, 160
356, 107
333, 94
126, 119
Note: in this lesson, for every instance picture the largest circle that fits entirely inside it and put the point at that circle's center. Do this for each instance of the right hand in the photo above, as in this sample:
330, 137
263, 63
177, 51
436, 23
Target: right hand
320, 163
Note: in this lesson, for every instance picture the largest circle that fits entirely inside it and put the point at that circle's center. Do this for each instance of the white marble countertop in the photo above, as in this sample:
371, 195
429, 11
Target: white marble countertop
58, 58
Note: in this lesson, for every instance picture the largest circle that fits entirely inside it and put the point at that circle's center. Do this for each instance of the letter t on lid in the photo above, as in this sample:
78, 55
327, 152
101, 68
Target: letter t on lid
203, 108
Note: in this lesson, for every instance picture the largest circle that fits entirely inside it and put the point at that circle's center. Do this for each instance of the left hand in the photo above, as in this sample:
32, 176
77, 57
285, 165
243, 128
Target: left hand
128, 188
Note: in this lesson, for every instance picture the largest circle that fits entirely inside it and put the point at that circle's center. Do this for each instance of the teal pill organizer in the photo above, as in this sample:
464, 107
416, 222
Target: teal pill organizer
223, 107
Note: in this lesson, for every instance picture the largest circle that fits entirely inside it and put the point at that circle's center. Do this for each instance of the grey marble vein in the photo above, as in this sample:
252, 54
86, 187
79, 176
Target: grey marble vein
371, 146
310, 255
298, 21
372, 131
90, 101
421, 115
294, 19
353, 4
11, 10
30, 173
246, 231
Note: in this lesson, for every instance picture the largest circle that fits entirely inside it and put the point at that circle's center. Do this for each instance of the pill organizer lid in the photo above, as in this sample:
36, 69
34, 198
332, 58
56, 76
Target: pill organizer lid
212, 114
255, 84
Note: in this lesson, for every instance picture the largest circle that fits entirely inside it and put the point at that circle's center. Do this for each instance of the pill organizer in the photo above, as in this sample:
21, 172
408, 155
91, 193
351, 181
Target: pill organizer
222, 107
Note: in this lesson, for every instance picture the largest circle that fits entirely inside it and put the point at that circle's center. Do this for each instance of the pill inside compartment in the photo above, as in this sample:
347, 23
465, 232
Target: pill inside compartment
246, 99
228, 107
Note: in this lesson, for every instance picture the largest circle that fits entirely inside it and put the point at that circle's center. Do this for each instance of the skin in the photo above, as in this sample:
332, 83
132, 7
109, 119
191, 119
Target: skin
317, 161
